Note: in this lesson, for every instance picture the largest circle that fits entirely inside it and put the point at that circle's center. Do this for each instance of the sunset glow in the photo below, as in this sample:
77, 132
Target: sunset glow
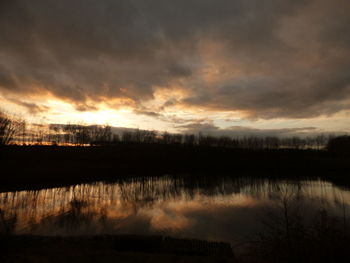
276, 69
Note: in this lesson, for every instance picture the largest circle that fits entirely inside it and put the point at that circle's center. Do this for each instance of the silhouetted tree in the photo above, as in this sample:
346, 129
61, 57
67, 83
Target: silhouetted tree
339, 144
10, 128
189, 139
166, 138
127, 137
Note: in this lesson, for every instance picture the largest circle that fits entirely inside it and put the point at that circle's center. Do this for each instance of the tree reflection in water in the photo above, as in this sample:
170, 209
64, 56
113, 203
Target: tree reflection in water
217, 208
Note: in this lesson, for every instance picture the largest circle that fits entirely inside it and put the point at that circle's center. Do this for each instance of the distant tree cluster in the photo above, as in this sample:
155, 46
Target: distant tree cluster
339, 144
248, 142
80, 135
15, 131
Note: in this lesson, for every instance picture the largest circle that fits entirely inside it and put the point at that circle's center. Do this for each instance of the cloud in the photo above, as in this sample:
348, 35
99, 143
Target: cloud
32, 108
208, 128
269, 59
148, 113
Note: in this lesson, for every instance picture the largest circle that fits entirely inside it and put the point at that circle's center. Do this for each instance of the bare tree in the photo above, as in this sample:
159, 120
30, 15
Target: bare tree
10, 128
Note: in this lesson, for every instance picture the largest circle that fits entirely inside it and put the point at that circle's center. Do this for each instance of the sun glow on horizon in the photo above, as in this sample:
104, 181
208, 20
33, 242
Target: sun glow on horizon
165, 112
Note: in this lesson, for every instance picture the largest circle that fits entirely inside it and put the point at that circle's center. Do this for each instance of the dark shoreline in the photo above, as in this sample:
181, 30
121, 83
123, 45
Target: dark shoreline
110, 248
35, 167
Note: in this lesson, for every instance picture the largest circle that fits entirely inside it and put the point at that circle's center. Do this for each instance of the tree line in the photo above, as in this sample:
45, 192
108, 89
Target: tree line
16, 131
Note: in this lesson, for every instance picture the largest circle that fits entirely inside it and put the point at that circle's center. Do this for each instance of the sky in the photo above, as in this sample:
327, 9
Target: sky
215, 66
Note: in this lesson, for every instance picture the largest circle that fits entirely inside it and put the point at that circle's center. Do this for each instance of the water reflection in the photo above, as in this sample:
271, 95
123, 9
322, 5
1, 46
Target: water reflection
223, 209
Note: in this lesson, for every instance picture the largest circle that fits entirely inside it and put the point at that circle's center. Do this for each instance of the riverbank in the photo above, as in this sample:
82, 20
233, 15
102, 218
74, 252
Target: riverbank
33, 167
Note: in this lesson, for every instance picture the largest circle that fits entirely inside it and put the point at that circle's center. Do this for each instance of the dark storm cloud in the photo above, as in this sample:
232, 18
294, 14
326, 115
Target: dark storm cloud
6, 79
292, 57
86, 49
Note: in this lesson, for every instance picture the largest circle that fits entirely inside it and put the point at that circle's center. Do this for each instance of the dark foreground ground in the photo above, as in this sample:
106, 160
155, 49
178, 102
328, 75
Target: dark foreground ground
27, 167
104, 248
326, 245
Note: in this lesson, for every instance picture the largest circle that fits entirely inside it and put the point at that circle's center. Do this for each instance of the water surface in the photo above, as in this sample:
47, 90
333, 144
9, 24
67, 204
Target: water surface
222, 209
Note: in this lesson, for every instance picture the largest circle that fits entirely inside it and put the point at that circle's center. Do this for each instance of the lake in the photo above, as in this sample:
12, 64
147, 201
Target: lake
235, 210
